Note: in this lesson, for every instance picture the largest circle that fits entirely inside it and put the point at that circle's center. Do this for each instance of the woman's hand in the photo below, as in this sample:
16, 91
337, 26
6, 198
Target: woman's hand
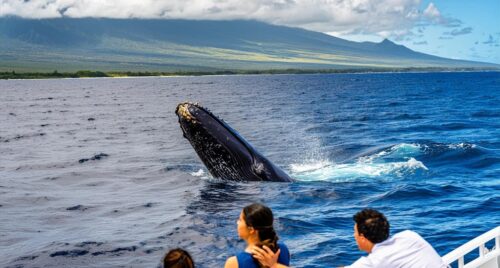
266, 256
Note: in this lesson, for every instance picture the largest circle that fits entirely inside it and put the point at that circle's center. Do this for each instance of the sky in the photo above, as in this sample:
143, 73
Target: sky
458, 29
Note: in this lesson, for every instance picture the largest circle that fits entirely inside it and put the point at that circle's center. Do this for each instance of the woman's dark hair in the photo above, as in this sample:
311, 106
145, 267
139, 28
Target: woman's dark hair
372, 225
261, 219
178, 258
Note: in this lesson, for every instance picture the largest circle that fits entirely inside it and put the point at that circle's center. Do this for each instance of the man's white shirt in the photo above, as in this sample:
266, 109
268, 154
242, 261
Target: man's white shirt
405, 249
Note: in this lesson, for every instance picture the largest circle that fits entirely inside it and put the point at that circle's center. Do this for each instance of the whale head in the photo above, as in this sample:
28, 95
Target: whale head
223, 151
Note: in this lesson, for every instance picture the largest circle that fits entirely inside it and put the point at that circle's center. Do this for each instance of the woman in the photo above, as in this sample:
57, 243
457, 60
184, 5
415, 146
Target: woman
255, 226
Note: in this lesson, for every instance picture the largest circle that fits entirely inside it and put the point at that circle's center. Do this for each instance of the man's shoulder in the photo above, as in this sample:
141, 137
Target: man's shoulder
396, 244
408, 234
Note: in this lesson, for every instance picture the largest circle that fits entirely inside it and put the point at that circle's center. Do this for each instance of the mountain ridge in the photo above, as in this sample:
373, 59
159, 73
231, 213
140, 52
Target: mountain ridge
170, 45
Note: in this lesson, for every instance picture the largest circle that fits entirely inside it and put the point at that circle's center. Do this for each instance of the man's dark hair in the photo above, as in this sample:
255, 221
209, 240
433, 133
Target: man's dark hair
372, 225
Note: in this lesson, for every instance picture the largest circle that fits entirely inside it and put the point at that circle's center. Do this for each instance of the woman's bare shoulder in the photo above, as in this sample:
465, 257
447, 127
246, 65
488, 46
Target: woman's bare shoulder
231, 262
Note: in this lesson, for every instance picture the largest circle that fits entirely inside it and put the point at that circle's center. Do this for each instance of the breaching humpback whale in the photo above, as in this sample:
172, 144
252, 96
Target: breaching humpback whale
223, 151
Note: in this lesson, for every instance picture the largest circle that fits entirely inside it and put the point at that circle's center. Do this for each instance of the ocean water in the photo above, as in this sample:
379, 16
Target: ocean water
96, 173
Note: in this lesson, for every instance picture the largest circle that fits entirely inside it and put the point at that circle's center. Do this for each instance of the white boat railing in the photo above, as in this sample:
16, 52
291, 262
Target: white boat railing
487, 257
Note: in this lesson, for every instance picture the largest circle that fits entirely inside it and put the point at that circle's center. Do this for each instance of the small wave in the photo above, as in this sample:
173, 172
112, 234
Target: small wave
415, 192
200, 173
435, 147
20, 137
70, 253
116, 251
454, 153
407, 117
461, 146
484, 162
450, 126
93, 158
397, 161
458, 126
309, 166
78, 207
349, 172
486, 114
403, 150
180, 167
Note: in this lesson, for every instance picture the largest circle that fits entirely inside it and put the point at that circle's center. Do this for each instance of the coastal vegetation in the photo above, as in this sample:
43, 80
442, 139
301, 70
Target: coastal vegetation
96, 74
54, 74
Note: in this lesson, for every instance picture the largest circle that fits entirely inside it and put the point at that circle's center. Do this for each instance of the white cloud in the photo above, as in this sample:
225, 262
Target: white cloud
432, 12
382, 17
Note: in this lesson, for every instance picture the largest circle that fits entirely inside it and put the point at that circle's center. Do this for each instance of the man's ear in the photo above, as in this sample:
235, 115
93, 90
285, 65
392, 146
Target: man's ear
363, 238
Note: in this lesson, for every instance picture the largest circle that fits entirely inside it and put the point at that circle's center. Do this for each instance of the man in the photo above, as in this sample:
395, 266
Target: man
405, 249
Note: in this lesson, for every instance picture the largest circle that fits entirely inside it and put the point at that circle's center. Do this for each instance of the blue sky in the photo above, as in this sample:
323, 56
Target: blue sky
458, 29
483, 41
476, 35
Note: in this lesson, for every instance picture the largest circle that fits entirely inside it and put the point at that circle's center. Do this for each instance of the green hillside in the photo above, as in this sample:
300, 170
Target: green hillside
68, 45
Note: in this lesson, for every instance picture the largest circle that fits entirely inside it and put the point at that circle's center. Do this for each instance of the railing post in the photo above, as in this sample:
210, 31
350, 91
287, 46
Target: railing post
461, 262
497, 242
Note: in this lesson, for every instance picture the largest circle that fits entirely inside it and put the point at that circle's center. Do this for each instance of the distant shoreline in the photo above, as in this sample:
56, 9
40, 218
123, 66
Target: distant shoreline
118, 74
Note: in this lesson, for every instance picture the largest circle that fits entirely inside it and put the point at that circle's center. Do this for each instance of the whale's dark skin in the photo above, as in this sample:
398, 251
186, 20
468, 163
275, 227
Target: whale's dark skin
223, 151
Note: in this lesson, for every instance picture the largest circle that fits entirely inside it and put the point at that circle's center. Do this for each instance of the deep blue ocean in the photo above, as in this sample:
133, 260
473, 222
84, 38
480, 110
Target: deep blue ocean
96, 173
